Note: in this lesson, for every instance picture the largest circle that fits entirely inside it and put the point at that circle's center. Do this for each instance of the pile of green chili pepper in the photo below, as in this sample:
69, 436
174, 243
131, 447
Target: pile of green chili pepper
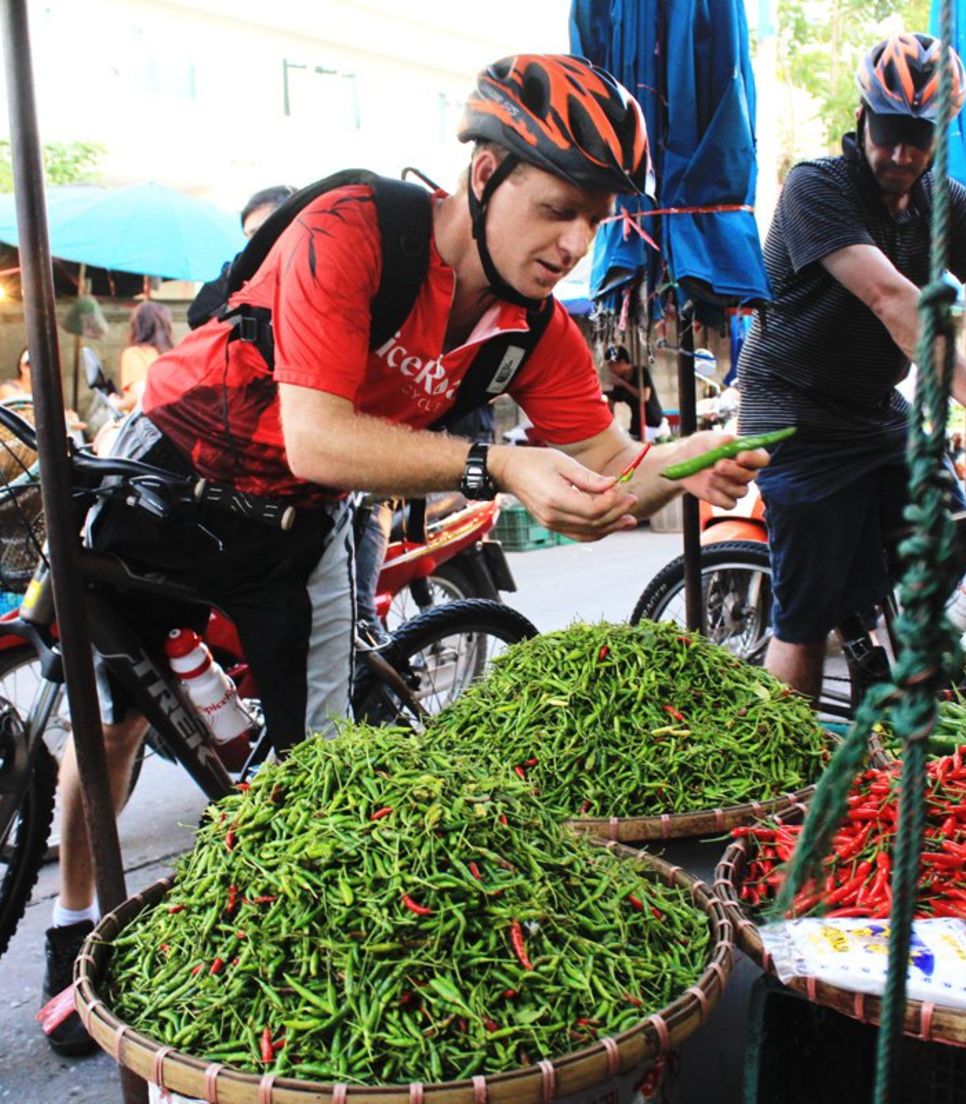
622, 720
949, 732
858, 873
377, 910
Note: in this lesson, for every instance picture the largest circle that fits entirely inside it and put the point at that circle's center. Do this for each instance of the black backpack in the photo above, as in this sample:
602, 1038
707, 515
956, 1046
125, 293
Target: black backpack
404, 213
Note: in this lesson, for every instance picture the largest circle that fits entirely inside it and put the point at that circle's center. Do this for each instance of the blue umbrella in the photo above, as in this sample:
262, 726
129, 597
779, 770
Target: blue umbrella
144, 228
957, 128
688, 65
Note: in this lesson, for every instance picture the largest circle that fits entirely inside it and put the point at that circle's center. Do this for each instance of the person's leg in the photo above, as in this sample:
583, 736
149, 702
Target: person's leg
827, 562
75, 909
121, 742
296, 622
800, 666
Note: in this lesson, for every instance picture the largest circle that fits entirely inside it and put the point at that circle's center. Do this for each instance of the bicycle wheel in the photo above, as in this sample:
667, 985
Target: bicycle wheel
737, 594
450, 582
736, 589
438, 654
23, 847
20, 675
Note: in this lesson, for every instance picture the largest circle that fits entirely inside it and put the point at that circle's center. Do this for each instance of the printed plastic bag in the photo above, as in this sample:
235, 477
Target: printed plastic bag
853, 953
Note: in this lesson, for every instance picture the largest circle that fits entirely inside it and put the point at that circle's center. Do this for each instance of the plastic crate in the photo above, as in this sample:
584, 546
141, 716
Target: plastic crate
800, 1053
517, 531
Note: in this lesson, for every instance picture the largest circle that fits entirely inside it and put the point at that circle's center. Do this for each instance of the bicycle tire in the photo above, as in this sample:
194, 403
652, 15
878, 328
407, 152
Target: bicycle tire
737, 595
423, 652
732, 572
26, 843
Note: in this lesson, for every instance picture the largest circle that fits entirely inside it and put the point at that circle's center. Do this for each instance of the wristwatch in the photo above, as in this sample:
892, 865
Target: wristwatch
476, 482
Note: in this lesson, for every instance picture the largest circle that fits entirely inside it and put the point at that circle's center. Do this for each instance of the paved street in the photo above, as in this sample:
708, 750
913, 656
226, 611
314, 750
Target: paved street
556, 586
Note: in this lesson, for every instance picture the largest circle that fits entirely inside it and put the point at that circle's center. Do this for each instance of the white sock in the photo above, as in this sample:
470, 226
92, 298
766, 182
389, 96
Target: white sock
64, 917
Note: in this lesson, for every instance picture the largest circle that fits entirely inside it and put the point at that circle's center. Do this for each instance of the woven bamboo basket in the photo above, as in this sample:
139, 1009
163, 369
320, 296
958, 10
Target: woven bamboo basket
922, 1019
633, 1049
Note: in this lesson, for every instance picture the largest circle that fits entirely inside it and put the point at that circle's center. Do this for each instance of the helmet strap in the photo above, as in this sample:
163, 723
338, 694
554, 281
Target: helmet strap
478, 208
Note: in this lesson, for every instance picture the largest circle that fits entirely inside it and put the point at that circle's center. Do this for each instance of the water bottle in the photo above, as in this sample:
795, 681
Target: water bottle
213, 694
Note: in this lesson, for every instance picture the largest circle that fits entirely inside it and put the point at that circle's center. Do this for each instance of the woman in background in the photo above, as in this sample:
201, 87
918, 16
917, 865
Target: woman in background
148, 338
20, 386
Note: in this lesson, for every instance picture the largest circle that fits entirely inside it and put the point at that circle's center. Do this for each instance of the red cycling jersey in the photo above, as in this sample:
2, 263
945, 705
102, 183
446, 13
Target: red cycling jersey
217, 400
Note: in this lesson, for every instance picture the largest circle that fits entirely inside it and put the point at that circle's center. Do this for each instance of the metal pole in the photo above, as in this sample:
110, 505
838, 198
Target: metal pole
687, 404
38, 293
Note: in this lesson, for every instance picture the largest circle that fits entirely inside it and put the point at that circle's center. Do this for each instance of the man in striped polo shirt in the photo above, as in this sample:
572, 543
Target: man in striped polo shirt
847, 253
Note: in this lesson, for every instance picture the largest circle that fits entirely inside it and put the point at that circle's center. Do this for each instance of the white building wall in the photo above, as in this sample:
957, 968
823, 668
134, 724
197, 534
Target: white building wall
192, 94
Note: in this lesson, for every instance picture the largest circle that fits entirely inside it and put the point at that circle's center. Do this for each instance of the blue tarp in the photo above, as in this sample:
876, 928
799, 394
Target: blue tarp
957, 128
688, 64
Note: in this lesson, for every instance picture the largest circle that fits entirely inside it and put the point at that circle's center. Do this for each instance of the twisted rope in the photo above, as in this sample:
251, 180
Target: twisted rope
929, 645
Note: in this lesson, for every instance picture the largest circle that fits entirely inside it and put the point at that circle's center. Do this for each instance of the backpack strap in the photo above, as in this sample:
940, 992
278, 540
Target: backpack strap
405, 217
495, 366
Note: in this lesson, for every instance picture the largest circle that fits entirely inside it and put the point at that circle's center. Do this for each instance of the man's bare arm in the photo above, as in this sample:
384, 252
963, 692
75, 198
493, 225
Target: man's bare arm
870, 276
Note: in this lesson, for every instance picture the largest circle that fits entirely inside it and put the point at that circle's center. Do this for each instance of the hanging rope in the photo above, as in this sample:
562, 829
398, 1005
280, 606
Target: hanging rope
929, 645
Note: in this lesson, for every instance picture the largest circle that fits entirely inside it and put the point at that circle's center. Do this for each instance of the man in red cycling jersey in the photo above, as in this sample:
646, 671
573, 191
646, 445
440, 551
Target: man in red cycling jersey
555, 138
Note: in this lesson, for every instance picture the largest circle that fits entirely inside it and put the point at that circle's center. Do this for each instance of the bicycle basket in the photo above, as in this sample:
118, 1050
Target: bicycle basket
22, 532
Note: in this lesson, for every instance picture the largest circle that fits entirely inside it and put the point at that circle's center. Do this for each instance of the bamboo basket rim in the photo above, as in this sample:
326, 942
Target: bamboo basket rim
707, 822
549, 1079
923, 1020
704, 822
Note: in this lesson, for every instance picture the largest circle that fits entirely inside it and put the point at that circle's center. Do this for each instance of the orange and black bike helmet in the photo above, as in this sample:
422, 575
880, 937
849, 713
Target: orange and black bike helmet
564, 115
561, 114
900, 76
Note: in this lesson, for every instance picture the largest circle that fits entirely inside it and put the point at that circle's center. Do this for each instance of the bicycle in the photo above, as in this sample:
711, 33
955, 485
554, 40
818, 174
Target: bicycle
737, 596
403, 680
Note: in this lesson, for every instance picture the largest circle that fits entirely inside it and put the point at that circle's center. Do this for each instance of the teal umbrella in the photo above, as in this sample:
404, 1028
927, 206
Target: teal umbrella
147, 229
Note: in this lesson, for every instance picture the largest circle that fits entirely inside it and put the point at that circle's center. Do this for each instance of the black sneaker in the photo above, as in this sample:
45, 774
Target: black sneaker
63, 945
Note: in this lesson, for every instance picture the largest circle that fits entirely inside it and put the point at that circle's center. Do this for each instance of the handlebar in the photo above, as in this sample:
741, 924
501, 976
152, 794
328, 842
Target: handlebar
155, 489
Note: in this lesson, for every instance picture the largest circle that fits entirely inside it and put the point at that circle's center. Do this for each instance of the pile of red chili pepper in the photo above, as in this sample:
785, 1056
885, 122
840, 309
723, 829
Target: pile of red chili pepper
637, 720
858, 873
377, 910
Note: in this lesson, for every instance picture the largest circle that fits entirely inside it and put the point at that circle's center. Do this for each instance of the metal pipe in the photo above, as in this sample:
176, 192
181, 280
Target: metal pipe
690, 523
39, 309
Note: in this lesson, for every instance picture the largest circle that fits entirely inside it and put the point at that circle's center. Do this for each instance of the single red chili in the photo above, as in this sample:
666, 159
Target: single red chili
635, 902
230, 839
520, 772
268, 1051
509, 993
603, 653
503, 820
669, 709
475, 871
217, 966
175, 908
232, 902
380, 813
519, 944
414, 906
243, 786
196, 970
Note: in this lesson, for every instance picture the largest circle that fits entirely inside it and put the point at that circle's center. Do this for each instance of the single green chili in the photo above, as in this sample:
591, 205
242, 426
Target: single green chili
708, 459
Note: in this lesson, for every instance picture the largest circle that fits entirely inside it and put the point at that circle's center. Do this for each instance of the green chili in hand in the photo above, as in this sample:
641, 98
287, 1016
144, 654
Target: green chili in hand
725, 452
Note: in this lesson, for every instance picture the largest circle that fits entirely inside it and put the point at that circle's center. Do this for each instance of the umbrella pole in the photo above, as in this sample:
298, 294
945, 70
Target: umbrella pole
64, 554
691, 529
75, 388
